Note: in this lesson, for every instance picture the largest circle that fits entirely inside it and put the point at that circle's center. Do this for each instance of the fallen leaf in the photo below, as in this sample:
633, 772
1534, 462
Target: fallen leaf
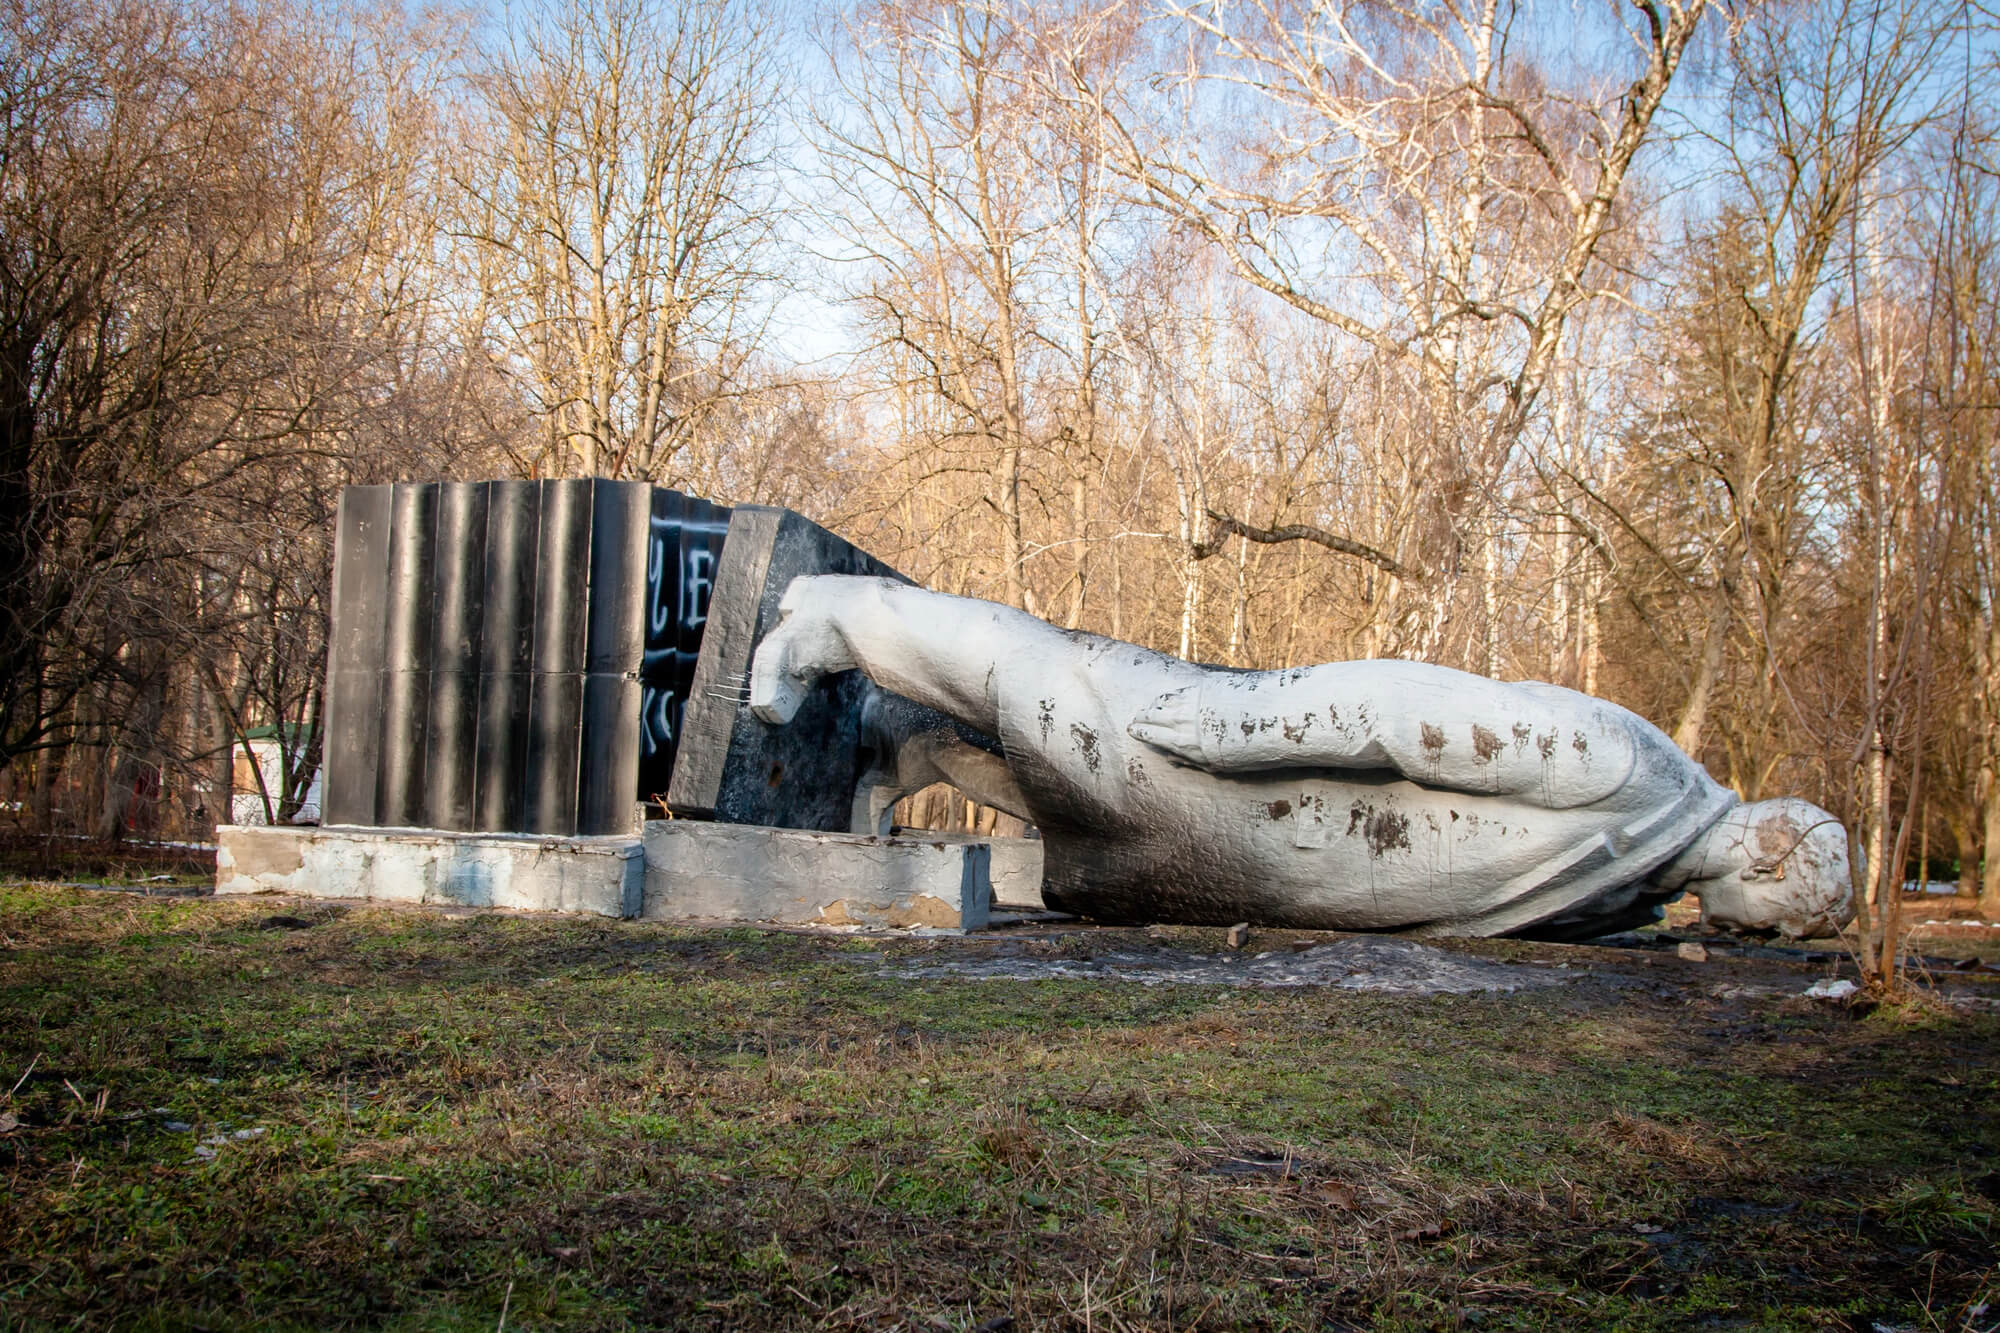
1336, 1195
9, 1122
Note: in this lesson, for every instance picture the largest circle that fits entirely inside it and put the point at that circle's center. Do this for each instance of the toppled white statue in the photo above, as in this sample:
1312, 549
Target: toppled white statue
1372, 795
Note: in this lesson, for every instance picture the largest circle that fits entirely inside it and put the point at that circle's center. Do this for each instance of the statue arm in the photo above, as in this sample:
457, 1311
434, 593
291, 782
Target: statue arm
937, 650
1428, 724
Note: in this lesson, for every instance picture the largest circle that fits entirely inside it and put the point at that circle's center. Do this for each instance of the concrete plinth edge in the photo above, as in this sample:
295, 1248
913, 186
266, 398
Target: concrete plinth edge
600, 876
1017, 865
746, 872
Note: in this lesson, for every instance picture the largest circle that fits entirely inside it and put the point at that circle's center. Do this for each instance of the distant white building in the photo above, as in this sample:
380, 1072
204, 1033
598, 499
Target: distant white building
246, 805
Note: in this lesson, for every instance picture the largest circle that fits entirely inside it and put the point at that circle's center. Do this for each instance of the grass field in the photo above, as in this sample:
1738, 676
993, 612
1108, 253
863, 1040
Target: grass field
240, 1113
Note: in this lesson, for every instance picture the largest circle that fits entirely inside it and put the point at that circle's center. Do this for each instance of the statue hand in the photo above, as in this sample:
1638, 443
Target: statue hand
777, 688
1172, 723
792, 656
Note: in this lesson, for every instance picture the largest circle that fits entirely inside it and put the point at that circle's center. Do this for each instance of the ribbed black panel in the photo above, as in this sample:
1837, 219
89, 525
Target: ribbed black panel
406, 655
609, 781
513, 533
619, 514
555, 729
562, 598
562, 617
608, 778
501, 753
506, 649
354, 658
450, 762
495, 646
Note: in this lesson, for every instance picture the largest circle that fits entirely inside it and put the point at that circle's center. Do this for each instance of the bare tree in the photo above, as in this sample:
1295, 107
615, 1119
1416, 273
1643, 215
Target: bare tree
619, 209
1405, 175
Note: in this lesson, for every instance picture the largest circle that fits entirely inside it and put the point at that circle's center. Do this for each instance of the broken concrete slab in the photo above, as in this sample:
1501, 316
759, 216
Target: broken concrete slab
738, 872
601, 876
732, 766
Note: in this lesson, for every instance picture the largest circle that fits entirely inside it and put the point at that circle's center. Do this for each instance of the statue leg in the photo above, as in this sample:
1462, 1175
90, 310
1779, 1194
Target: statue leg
911, 750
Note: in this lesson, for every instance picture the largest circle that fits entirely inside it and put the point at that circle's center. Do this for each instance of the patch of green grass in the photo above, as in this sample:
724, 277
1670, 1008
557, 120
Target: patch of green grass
409, 1120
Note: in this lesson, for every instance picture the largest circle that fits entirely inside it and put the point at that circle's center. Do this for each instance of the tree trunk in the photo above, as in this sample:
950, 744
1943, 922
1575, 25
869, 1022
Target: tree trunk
1989, 874
1714, 645
135, 743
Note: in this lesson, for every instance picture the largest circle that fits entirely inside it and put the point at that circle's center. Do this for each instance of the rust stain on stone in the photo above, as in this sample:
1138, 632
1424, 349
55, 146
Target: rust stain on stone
1297, 734
1387, 830
1086, 745
1433, 738
1485, 745
1279, 809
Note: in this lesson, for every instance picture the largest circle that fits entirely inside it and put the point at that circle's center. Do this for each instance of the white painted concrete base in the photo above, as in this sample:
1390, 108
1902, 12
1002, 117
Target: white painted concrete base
600, 876
683, 870
1017, 865
744, 872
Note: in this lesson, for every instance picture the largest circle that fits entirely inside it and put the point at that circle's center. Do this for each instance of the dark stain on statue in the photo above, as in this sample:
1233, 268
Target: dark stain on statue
1357, 814
1581, 746
1433, 738
1485, 745
1279, 809
1521, 733
1136, 772
1547, 745
1086, 745
1297, 734
1387, 830
1048, 716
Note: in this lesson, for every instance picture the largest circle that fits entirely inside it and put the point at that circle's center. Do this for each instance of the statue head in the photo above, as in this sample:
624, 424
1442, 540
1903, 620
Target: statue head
1772, 866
